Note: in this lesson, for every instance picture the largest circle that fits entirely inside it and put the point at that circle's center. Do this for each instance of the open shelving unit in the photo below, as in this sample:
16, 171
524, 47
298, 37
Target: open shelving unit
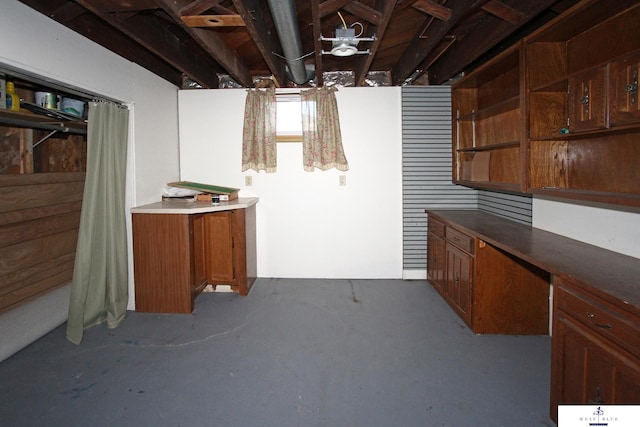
487, 130
558, 113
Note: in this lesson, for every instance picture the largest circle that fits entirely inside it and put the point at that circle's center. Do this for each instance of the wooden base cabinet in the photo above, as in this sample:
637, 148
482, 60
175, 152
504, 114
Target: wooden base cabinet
595, 350
492, 291
436, 255
225, 250
177, 255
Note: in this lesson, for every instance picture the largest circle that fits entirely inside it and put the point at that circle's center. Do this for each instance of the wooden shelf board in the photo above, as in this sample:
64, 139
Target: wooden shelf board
489, 185
589, 134
501, 145
510, 104
559, 85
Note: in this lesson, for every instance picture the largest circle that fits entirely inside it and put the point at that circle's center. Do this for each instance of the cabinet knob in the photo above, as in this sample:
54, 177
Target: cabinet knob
632, 88
592, 318
598, 398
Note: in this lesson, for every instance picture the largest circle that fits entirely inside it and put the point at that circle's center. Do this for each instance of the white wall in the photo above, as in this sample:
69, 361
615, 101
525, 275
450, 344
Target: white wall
38, 45
308, 225
610, 227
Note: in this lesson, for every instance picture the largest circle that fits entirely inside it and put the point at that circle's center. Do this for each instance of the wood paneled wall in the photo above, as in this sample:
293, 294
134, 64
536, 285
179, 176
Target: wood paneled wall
39, 220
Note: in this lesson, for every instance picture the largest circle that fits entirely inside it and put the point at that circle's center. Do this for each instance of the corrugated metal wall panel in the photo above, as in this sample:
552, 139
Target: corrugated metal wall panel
511, 206
426, 170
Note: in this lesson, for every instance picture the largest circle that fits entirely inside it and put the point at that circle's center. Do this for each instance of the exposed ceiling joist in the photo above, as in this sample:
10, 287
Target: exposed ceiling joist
211, 42
199, 40
419, 47
487, 34
200, 6
377, 31
328, 7
434, 9
365, 12
213, 21
504, 12
265, 40
317, 45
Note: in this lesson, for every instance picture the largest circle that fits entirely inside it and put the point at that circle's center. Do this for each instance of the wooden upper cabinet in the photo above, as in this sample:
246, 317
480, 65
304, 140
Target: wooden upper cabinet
624, 107
586, 100
557, 114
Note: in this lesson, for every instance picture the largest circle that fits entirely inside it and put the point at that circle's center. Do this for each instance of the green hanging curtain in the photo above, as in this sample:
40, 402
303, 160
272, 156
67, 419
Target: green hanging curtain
100, 290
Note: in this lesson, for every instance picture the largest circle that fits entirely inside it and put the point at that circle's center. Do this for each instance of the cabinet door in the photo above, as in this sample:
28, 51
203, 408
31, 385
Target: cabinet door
623, 90
198, 251
586, 101
459, 282
589, 369
436, 261
163, 263
219, 248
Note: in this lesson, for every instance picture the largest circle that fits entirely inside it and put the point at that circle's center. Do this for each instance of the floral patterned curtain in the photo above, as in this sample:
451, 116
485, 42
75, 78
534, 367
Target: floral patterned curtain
321, 138
259, 132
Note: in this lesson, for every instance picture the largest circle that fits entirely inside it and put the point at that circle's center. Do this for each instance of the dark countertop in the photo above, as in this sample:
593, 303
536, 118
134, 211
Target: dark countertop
610, 275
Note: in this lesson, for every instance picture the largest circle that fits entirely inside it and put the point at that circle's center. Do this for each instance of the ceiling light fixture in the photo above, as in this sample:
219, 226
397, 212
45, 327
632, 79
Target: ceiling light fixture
345, 42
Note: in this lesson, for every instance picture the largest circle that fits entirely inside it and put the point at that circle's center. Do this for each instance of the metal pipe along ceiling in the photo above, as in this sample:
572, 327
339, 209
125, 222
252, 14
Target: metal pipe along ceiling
286, 23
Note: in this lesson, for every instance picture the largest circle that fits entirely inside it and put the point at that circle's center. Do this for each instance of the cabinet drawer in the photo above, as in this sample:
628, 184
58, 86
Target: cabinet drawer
618, 326
435, 226
460, 239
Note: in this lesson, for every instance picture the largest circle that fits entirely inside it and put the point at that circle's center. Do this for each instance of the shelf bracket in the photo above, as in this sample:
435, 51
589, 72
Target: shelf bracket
49, 135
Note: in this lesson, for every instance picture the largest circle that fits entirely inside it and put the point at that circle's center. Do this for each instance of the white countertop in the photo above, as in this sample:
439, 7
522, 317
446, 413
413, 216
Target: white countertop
182, 207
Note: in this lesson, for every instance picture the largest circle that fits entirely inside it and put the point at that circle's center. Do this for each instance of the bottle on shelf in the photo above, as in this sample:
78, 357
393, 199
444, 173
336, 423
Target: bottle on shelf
13, 100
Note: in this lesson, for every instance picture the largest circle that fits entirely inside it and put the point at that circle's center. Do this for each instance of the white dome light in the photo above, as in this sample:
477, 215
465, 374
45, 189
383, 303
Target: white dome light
343, 49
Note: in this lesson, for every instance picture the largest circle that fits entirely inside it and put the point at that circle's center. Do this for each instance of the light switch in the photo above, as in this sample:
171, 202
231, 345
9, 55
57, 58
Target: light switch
343, 180
248, 181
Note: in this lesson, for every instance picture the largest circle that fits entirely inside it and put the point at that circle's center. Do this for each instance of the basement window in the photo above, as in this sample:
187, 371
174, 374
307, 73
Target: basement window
288, 118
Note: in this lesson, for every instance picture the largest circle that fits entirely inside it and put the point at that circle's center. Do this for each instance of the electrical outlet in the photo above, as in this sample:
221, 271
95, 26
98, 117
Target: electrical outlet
342, 180
248, 181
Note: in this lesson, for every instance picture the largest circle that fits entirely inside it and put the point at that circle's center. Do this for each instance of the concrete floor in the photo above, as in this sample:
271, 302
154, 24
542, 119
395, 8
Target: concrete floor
293, 353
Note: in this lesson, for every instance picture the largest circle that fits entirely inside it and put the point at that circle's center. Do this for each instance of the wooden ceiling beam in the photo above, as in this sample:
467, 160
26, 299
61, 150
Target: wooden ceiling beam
67, 12
364, 61
195, 21
199, 6
504, 12
265, 40
487, 34
328, 7
211, 42
317, 44
152, 35
78, 19
434, 9
420, 47
110, 6
367, 13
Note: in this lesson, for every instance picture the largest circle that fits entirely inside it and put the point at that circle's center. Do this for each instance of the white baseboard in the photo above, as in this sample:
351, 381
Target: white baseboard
414, 274
25, 324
